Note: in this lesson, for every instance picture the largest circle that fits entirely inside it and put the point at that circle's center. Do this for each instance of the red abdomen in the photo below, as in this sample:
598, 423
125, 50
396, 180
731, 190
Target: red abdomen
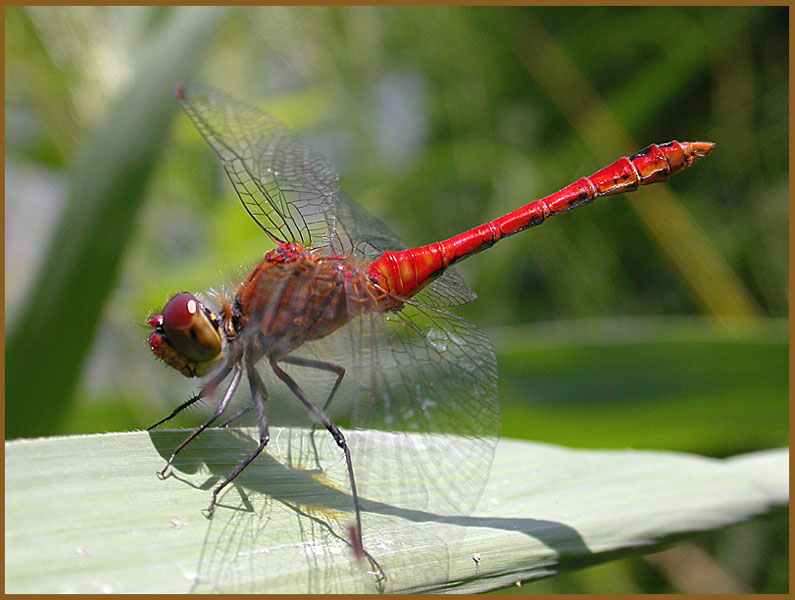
406, 272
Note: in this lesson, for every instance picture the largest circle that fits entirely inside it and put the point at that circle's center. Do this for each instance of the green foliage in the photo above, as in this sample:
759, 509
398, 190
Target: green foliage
107, 185
679, 385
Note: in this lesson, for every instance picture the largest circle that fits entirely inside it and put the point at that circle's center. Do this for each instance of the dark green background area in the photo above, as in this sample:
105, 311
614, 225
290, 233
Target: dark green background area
710, 396
612, 329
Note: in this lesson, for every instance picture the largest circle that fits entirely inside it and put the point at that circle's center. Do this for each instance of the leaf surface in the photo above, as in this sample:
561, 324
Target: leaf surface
87, 514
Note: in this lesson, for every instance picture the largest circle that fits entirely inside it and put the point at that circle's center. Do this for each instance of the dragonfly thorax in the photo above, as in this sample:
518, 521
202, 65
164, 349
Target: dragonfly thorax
295, 295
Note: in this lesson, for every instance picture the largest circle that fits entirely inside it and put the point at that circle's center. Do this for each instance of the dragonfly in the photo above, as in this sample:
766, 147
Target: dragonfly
342, 300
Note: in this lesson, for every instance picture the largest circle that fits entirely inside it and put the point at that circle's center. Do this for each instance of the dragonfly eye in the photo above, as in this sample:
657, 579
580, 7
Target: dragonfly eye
189, 327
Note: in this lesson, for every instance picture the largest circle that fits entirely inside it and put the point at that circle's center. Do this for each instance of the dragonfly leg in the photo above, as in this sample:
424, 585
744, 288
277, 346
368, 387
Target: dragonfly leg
207, 389
338, 370
230, 391
259, 396
234, 418
321, 417
323, 366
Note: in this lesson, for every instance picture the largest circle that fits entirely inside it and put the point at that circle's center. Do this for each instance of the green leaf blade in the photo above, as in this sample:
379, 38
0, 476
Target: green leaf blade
86, 514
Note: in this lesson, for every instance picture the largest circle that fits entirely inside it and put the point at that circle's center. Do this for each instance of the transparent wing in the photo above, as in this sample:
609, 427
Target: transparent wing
418, 405
448, 290
435, 378
283, 520
290, 190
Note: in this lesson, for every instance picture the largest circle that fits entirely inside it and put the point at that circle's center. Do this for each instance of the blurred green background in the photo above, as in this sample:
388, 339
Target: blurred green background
655, 320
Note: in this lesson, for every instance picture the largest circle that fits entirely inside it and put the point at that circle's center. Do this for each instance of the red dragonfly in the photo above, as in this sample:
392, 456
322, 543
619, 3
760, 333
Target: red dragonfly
344, 301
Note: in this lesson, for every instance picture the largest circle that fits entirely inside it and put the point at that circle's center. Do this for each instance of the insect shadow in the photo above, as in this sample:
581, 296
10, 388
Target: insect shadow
276, 500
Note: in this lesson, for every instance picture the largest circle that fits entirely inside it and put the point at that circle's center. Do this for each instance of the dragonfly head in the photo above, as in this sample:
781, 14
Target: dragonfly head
187, 336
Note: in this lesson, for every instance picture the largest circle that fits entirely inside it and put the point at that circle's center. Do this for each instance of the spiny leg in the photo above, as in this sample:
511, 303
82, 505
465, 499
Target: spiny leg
322, 418
189, 402
230, 391
207, 389
259, 395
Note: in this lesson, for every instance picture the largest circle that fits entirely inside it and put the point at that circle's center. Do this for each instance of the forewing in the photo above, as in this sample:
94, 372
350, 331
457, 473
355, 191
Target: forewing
292, 191
289, 189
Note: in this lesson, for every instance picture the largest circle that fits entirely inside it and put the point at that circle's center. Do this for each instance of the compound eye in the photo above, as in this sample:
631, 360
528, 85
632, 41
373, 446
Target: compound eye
181, 310
190, 330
